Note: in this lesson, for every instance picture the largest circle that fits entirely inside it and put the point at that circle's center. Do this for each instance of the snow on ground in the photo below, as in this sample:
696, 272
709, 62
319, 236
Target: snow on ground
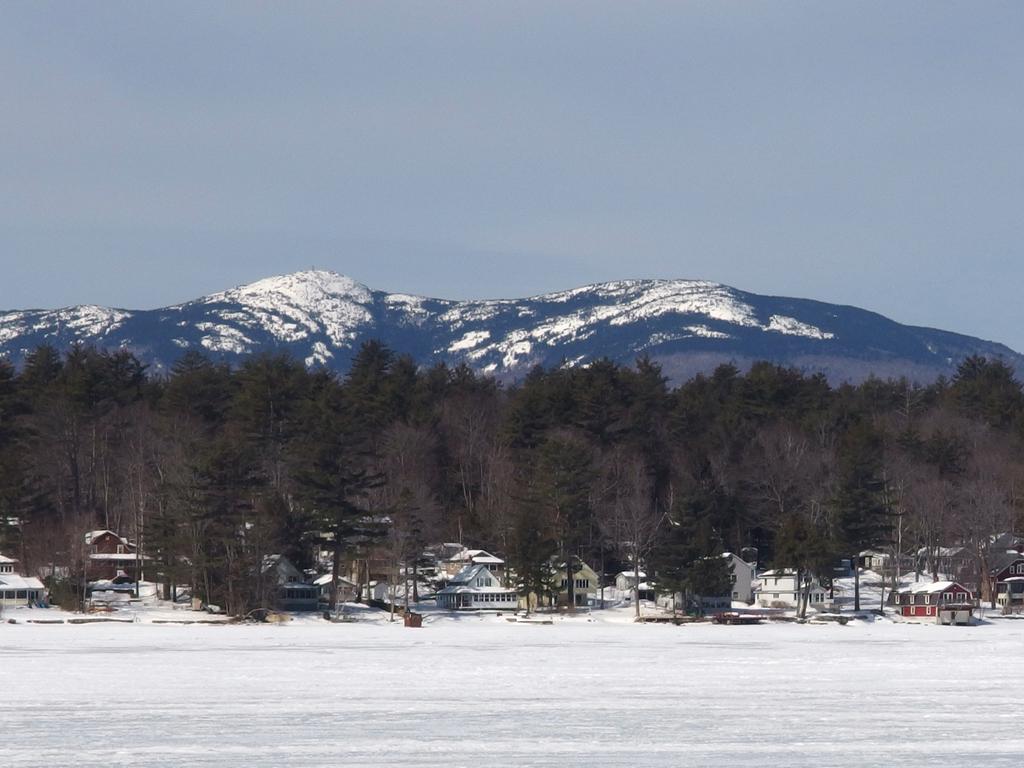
480, 691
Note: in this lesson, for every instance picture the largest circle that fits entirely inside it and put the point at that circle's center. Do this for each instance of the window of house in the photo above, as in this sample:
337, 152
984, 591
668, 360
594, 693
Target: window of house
735, 595
775, 595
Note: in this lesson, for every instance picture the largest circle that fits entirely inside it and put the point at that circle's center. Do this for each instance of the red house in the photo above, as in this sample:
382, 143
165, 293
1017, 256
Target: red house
944, 602
1005, 584
111, 555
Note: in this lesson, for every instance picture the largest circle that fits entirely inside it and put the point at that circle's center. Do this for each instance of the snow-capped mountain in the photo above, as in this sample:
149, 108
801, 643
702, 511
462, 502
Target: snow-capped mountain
322, 317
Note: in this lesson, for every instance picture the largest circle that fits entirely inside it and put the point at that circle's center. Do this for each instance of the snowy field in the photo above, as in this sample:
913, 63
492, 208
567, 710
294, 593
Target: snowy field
484, 692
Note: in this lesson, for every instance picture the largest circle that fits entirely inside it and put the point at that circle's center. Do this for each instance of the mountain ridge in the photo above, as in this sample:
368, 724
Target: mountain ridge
321, 317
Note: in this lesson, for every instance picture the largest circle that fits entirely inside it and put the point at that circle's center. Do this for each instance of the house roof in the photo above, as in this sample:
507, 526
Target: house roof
632, 574
1007, 541
733, 555
13, 581
475, 556
467, 573
583, 569
954, 551
929, 588
1004, 559
119, 556
7, 560
91, 536
326, 579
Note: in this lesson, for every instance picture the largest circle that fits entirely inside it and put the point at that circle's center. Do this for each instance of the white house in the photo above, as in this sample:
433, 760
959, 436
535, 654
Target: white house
626, 580
476, 587
7, 564
18, 590
778, 589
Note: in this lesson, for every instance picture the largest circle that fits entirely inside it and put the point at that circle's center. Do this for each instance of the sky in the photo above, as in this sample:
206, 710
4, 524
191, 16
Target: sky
858, 153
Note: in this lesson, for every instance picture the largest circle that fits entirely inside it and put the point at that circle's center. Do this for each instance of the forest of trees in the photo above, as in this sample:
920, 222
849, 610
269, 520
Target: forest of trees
211, 468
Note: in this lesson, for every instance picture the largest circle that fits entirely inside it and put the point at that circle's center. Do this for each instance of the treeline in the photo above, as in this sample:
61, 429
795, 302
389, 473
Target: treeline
211, 469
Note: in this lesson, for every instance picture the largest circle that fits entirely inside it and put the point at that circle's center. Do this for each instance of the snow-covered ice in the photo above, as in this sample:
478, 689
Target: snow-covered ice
474, 691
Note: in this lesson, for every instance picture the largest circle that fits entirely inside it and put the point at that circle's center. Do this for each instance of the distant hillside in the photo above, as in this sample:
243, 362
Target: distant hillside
687, 326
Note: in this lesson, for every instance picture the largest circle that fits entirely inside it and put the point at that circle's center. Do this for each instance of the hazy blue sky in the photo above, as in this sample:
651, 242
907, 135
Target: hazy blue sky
862, 153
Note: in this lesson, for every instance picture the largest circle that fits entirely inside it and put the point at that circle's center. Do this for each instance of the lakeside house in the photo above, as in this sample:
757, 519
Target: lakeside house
1010, 594
346, 588
956, 561
1005, 585
291, 590
476, 587
778, 588
466, 557
586, 584
742, 575
944, 602
17, 590
741, 589
112, 555
625, 581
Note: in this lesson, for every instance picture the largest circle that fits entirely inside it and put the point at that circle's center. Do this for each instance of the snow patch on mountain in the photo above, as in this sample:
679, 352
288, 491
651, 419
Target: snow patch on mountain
291, 307
472, 312
224, 338
661, 297
412, 307
470, 340
320, 355
790, 326
702, 331
515, 348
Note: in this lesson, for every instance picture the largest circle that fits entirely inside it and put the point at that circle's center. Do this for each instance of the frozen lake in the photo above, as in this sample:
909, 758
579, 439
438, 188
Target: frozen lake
489, 693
